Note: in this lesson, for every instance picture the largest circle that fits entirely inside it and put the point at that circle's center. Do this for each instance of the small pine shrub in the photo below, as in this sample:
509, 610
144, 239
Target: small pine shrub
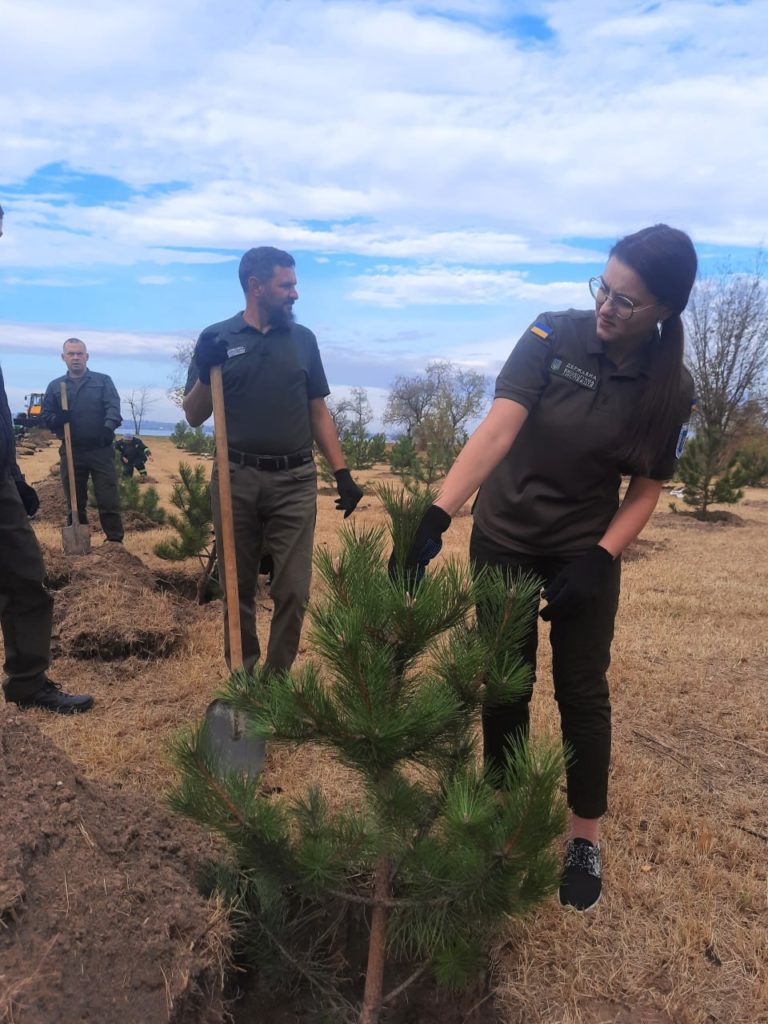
191, 495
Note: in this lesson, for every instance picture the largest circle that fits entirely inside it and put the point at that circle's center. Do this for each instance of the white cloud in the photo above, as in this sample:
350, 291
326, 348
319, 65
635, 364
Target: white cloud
12, 280
440, 286
41, 338
404, 133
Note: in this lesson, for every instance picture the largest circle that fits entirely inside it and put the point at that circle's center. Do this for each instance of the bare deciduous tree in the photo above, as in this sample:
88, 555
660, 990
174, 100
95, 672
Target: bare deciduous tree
182, 357
139, 401
409, 401
339, 411
436, 407
727, 331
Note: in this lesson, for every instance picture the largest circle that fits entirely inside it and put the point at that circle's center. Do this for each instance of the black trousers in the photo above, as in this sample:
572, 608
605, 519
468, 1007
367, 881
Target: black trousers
137, 464
99, 464
581, 654
26, 607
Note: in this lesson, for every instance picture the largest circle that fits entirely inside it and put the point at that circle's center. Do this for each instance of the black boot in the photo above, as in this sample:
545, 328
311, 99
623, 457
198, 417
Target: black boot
51, 697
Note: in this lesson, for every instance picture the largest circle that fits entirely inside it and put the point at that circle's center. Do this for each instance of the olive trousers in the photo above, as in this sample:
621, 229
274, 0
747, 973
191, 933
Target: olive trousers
275, 512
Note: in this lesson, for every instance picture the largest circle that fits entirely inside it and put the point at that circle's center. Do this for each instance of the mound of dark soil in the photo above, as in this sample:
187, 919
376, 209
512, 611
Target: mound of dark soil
53, 504
53, 507
100, 920
689, 519
640, 549
111, 608
58, 567
137, 522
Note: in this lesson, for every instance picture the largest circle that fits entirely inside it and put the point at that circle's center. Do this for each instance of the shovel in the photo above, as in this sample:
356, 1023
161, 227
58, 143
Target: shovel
75, 539
233, 748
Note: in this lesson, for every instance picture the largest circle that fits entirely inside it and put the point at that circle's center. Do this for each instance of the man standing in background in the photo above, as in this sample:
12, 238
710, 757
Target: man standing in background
93, 416
26, 607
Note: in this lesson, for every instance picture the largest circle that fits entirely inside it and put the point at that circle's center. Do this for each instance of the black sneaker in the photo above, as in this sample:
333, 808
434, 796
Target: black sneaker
580, 883
51, 697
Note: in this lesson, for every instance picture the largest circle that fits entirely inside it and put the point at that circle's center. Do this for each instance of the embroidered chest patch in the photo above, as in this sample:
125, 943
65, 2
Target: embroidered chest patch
576, 374
240, 350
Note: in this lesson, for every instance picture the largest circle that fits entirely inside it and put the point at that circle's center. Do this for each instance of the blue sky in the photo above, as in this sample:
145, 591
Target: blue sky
441, 171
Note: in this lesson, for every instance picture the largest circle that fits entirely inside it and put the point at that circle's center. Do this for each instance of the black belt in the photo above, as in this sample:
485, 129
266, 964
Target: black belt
271, 463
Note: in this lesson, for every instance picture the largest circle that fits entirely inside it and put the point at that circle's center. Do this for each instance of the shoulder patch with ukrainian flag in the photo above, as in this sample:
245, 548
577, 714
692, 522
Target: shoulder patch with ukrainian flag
540, 330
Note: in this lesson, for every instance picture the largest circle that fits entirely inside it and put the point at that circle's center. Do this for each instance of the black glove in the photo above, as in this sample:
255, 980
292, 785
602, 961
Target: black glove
58, 419
349, 493
28, 497
426, 543
210, 351
578, 584
107, 436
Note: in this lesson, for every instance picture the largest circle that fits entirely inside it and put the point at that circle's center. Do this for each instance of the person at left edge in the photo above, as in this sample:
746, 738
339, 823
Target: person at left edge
274, 396
26, 607
93, 416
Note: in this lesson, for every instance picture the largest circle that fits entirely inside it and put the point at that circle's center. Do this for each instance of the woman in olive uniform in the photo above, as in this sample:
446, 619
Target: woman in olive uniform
584, 399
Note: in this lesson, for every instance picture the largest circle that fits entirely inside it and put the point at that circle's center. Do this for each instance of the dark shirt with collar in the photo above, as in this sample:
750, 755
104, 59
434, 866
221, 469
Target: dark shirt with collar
94, 405
269, 380
557, 489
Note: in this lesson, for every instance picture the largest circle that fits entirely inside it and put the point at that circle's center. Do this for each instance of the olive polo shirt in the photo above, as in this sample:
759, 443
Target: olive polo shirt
557, 488
269, 380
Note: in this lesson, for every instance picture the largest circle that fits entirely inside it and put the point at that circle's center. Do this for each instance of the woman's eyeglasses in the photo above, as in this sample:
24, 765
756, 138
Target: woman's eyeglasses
625, 308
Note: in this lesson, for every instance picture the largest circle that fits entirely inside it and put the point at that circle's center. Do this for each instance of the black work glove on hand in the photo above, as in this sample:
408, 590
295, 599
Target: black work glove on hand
349, 493
107, 436
210, 351
59, 419
28, 497
577, 584
426, 543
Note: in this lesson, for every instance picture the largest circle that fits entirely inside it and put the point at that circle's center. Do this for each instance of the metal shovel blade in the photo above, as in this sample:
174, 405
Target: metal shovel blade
76, 539
228, 741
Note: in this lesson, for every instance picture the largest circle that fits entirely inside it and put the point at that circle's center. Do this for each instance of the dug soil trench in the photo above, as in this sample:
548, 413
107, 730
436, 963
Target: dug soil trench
101, 920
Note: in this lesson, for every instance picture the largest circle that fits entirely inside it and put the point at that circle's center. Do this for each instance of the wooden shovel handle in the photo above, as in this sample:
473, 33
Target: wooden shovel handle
226, 543
73, 509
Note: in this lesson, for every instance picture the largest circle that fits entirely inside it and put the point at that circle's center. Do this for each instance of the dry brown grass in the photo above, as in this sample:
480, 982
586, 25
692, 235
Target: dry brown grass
681, 934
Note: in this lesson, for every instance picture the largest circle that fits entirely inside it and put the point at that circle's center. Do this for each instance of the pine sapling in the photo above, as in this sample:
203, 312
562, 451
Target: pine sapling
432, 852
709, 477
191, 495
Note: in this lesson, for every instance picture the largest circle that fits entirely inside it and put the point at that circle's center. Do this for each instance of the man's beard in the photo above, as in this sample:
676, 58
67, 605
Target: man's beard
279, 316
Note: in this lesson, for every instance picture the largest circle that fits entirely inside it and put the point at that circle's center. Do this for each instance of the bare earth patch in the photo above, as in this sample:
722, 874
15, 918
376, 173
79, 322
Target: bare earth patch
100, 918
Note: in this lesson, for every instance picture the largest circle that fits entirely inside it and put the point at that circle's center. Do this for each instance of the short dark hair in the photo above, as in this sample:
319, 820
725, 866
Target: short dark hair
261, 262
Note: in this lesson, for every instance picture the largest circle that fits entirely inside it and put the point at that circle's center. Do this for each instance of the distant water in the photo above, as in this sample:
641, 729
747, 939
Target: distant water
152, 428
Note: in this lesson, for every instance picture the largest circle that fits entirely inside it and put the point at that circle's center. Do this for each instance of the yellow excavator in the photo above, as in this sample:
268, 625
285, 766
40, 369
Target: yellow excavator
31, 415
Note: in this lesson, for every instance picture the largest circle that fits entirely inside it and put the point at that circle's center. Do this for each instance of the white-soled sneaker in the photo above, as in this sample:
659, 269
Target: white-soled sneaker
581, 881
